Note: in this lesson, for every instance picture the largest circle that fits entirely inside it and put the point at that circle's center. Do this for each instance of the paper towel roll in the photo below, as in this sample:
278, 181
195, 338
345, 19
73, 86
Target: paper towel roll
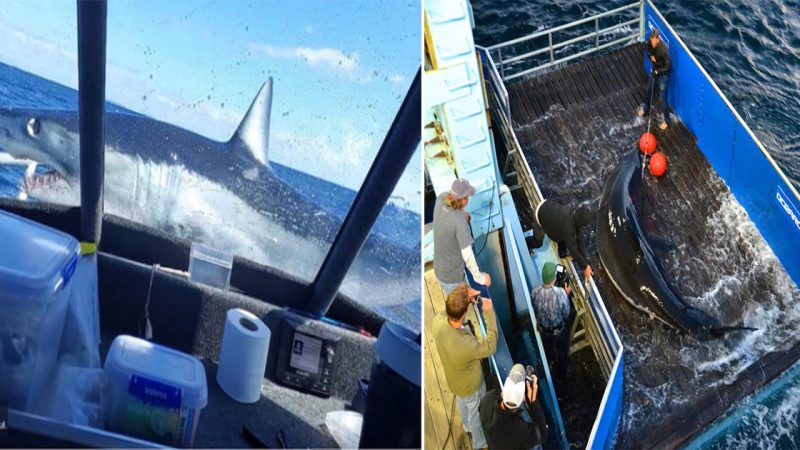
243, 357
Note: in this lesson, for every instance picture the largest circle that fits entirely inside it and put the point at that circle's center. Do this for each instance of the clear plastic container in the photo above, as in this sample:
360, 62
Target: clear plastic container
210, 266
36, 265
155, 393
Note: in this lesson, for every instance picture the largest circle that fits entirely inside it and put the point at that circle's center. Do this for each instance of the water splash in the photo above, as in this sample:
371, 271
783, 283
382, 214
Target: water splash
181, 202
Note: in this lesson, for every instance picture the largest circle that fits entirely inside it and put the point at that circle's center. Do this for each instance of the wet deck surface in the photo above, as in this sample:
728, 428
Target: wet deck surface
574, 124
441, 413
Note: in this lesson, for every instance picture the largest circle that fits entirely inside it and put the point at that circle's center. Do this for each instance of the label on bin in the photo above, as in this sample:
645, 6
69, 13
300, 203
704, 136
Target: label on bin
154, 392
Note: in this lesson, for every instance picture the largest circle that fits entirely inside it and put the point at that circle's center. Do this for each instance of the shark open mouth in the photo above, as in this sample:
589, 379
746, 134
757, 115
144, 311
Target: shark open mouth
33, 181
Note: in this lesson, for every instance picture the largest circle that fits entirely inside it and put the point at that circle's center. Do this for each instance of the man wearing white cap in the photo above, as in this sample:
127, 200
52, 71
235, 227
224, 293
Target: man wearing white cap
452, 240
503, 425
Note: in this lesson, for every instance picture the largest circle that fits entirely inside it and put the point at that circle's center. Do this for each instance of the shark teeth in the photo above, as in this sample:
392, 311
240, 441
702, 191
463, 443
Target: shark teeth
33, 181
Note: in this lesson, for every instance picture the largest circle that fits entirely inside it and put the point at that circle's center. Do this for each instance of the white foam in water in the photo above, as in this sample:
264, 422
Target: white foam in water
766, 425
745, 261
739, 261
181, 202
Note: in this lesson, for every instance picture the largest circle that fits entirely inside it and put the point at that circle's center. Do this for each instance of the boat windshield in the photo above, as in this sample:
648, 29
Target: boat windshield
247, 126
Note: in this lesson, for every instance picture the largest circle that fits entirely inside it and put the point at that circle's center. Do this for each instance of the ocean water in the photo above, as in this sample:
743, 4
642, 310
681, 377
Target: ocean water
190, 206
752, 51
773, 412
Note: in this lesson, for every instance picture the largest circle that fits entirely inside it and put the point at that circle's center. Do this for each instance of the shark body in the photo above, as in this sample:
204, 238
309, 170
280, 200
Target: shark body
146, 159
628, 258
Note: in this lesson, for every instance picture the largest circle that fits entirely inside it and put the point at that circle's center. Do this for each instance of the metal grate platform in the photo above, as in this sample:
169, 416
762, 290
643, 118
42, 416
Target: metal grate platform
573, 125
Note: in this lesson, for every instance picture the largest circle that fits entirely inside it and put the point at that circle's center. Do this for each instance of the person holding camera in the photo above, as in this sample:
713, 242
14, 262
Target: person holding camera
461, 354
501, 418
552, 308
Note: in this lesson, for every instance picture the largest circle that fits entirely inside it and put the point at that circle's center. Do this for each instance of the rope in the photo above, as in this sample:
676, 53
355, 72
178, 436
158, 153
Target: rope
649, 116
450, 423
148, 327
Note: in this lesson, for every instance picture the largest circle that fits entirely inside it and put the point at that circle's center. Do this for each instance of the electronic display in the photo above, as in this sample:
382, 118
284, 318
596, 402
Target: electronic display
305, 353
307, 356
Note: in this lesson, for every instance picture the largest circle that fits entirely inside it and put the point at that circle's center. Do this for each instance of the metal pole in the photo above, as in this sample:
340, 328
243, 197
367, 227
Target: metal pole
641, 21
91, 108
550, 43
400, 143
596, 33
500, 63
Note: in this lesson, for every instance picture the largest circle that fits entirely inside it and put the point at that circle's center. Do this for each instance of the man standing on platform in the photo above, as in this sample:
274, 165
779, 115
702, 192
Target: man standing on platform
658, 53
552, 307
452, 239
461, 354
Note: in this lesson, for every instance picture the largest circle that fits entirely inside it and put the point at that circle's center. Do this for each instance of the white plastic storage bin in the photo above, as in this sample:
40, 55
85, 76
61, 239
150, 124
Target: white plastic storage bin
155, 393
36, 265
210, 266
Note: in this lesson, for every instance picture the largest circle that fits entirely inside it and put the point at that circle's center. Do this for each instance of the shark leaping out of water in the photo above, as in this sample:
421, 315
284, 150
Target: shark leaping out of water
143, 154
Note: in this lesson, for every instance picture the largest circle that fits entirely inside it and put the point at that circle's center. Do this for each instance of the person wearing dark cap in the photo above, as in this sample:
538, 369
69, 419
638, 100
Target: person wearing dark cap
501, 415
563, 225
452, 239
552, 308
658, 52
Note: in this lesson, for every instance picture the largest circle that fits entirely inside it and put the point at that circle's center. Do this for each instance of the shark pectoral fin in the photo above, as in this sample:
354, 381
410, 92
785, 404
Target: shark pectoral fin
721, 331
659, 243
251, 139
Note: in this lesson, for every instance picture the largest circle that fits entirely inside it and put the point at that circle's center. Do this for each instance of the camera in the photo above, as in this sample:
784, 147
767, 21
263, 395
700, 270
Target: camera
529, 373
562, 279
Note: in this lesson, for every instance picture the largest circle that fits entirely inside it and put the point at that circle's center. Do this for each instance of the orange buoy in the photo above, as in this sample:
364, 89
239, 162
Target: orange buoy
658, 164
647, 143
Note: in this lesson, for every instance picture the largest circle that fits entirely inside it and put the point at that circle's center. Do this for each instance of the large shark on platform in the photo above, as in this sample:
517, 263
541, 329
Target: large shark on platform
146, 159
626, 254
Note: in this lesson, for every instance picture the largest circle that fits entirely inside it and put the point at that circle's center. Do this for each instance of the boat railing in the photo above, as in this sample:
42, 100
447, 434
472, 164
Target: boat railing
770, 198
514, 57
597, 329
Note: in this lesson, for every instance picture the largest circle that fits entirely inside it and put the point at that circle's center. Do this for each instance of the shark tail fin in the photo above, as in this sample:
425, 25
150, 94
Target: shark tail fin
721, 331
252, 136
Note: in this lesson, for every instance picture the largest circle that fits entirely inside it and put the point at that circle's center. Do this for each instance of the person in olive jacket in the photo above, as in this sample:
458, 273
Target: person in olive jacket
461, 354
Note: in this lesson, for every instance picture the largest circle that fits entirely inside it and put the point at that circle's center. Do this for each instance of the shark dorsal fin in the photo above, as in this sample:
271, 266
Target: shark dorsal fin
252, 136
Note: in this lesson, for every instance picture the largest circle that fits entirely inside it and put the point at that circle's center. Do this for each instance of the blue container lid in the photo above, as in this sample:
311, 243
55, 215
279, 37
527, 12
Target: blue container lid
397, 348
34, 258
131, 360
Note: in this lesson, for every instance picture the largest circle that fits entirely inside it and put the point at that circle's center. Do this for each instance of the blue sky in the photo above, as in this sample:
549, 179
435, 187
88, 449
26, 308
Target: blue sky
340, 69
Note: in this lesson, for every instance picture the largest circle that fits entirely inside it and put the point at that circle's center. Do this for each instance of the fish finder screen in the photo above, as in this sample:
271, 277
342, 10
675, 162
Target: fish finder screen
305, 353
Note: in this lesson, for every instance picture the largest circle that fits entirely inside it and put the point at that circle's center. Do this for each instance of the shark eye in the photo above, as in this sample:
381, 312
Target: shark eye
33, 127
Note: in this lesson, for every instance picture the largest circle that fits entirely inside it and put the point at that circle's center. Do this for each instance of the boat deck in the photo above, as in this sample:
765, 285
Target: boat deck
441, 414
573, 125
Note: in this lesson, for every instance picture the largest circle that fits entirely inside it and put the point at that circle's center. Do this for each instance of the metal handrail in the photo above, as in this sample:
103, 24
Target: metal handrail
605, 341
551, 47
595, 34
562, 27
571, 57
495, 81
